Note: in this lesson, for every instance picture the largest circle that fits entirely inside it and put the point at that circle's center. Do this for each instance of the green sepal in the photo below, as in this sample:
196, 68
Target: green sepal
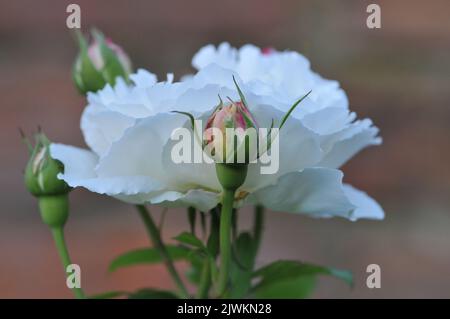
231, 176
285, 117
241, 94
112, 67
41, 172
86, 77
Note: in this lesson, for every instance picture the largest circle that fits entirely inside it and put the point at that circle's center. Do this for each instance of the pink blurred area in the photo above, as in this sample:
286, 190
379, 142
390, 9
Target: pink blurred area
398, 75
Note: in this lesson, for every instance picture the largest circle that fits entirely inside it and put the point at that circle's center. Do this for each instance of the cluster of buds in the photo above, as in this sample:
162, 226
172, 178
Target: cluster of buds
99, 63
96, 65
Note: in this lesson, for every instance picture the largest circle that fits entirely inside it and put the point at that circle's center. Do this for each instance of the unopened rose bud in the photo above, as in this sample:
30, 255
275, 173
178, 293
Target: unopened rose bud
41, 179
99, 64
226, 122
42, 170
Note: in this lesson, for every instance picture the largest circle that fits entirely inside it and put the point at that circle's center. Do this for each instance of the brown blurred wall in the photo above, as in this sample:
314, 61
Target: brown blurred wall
398, 75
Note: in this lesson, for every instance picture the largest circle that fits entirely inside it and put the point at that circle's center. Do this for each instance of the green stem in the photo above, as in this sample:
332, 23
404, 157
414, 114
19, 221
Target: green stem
58, 236
225, 240
234, 222
258, 226
155, 237
192, 216
205, 280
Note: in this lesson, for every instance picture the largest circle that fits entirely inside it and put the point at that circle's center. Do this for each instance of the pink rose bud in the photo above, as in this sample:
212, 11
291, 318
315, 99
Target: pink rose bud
233, 115
99, 64
95, 54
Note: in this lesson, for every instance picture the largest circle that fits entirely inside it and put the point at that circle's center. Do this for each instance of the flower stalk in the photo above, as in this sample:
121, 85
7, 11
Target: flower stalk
58, 237
54, 212
231, 177
258, 226
41, 180
205, 280
155, 237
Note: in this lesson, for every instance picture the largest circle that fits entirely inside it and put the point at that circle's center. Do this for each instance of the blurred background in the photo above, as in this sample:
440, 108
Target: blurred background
398, 75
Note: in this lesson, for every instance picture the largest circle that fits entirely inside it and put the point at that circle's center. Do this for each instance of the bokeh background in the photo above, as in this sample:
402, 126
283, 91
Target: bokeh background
398, 75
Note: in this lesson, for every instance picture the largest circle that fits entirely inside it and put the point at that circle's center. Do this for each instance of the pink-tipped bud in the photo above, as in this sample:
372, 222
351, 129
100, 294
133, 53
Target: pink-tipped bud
98, 59
226, 122
99, 63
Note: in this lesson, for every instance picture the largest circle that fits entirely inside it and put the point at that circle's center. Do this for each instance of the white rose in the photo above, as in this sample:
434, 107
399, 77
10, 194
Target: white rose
128, 130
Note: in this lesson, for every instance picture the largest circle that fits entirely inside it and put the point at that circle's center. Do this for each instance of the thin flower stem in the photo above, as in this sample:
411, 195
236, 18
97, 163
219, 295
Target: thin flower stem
192, 216
155, 237
225, 240
205, 280
258, 226
58, 236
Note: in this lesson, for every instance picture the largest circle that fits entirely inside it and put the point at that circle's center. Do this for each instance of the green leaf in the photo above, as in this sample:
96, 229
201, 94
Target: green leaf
149, 293
147, 256
296, 288
285, 117
280, 273
290, 268
191, 240
194, 272
109, 295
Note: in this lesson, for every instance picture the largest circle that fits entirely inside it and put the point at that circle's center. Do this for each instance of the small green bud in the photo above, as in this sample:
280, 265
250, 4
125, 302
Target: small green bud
41, 179
54, 209
42, 170
99, 63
